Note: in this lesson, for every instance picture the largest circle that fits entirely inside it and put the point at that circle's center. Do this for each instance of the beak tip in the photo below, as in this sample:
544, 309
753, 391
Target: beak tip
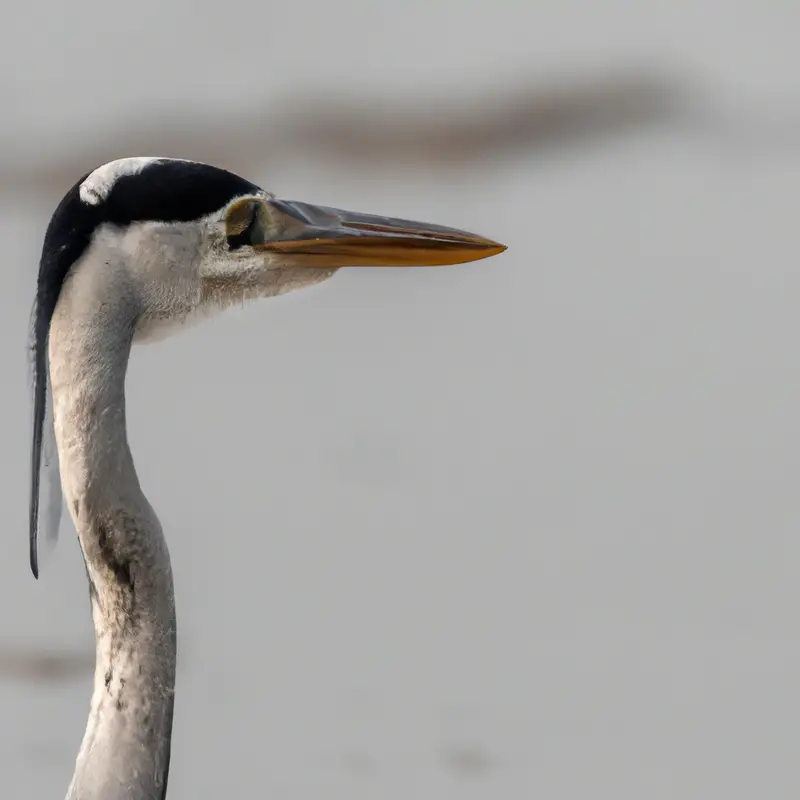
492, 248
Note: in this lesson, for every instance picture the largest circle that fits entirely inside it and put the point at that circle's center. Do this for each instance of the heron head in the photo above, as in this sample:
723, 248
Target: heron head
196, 238
261, 246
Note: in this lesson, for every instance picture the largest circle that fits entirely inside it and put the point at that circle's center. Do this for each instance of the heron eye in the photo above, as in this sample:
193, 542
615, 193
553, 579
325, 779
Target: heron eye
241, 224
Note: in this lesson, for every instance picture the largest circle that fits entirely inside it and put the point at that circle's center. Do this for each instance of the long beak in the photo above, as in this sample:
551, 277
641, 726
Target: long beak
317, 236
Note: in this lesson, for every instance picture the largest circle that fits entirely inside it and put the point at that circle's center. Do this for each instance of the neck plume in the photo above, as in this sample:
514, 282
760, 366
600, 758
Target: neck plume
126, 747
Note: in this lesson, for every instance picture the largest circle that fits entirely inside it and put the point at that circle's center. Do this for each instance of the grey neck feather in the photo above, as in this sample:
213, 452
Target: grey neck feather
126, 747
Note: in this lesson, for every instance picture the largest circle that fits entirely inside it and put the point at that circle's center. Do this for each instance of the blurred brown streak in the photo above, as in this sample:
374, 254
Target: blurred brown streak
49, 666
38, 667
521, 119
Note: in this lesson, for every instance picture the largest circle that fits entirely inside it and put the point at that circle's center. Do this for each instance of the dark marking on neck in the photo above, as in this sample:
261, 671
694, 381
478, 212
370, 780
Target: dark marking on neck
119, 565
120, 703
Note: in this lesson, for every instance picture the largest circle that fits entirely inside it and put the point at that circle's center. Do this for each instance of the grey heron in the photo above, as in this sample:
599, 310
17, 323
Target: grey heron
136, 249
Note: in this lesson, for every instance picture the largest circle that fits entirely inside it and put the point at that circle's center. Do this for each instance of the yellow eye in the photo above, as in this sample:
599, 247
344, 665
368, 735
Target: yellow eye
241, 215
245, 223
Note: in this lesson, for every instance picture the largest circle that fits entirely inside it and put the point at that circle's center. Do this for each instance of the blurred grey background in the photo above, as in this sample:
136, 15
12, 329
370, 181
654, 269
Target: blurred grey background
520, 528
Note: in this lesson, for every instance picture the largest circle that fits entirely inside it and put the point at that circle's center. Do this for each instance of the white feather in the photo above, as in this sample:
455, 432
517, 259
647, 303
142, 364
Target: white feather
98, 185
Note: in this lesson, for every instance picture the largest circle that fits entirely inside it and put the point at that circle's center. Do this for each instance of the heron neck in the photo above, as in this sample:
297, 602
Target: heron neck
126, 747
